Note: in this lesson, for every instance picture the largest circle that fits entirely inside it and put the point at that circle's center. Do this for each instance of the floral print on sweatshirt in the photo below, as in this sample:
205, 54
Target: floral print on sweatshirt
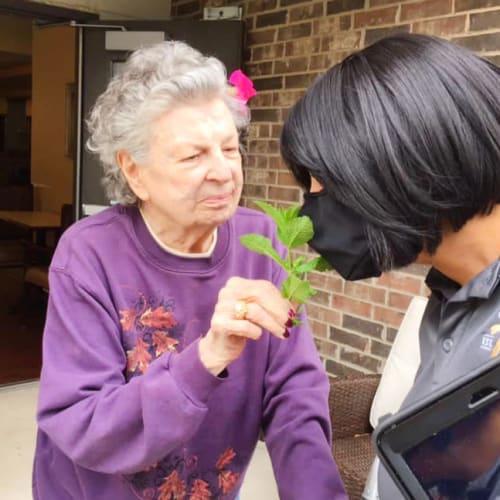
178, 478
149, 329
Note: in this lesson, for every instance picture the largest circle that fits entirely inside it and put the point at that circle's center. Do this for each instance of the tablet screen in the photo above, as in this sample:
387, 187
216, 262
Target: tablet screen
462, 461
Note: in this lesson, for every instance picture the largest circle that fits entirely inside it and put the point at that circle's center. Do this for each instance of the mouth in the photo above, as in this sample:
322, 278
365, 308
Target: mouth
219, 199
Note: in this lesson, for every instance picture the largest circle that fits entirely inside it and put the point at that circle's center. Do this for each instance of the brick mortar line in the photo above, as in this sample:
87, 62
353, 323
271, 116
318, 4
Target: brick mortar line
325, 357
359, 351
479, 10
487, 53
356, 367
398, 22
362, 335
375, 287
469, 33
445, 16
430, 18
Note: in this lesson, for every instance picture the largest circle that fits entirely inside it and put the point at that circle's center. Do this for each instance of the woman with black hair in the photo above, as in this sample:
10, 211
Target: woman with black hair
398, 149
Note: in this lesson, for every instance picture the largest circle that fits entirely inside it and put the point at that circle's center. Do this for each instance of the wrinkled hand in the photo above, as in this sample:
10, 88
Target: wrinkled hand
227, 337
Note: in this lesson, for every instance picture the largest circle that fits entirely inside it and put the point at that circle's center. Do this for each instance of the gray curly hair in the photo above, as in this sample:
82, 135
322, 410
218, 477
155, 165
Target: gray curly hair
154, 80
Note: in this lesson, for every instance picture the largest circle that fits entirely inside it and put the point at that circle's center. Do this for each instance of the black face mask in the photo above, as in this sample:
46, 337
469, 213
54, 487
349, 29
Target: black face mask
339, 237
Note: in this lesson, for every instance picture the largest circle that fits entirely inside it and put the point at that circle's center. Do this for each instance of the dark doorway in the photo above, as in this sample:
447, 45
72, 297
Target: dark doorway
22, 309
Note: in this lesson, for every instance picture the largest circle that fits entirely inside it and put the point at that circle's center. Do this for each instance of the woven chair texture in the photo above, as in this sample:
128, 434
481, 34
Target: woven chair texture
350, 402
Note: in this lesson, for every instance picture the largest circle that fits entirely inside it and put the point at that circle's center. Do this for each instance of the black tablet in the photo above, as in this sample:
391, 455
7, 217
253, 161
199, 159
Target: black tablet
447, 446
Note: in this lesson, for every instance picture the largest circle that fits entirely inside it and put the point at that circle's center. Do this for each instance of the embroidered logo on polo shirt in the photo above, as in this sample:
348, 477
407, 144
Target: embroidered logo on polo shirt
491, 340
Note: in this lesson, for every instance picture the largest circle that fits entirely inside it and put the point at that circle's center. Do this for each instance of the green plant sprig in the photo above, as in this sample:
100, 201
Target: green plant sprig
293, 230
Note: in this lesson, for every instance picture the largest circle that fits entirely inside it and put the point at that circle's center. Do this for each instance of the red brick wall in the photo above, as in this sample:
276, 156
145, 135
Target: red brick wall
290, 42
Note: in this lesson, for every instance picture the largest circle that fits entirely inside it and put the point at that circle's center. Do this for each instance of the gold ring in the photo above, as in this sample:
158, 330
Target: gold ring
240, 309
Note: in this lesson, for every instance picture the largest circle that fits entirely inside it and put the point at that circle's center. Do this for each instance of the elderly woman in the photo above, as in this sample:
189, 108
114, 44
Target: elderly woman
167, 345
398, 150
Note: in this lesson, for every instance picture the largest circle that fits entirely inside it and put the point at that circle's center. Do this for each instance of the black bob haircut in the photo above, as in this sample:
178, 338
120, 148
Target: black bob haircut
406, 133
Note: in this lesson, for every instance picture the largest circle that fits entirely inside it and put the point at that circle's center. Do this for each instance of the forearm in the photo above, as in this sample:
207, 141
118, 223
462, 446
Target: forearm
297, 424
87, 407
123, 428
302, 458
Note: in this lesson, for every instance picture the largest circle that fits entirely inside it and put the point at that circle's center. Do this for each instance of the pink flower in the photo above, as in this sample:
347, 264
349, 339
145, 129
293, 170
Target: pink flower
243, 84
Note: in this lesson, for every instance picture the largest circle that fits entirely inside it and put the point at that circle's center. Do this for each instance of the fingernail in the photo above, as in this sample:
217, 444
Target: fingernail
291, 313
289, 323
286, 334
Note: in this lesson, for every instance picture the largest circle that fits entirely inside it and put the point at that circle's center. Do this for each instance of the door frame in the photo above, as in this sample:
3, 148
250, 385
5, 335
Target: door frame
44, 13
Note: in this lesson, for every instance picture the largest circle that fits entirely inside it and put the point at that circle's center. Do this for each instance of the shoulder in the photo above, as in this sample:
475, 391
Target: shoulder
105, 231
102, 218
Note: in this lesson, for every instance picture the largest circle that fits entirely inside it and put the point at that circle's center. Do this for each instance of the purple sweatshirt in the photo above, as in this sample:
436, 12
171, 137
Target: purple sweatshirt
126, 408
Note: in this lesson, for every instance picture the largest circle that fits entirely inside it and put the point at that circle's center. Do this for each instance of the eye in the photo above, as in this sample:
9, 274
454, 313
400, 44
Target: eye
231, 150
191, 158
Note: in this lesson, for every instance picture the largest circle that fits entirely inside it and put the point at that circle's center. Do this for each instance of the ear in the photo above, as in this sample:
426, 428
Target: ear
133, 174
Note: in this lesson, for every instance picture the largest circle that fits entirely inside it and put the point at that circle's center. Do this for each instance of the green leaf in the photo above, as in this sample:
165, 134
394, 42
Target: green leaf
296, 232
297, 290
323, 265
316, 264
291, 213
262, 245
293, 231
307, 267
297, 263
275, 213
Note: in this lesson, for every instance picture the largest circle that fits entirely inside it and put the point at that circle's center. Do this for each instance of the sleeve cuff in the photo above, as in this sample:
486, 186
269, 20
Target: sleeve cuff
192, 377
